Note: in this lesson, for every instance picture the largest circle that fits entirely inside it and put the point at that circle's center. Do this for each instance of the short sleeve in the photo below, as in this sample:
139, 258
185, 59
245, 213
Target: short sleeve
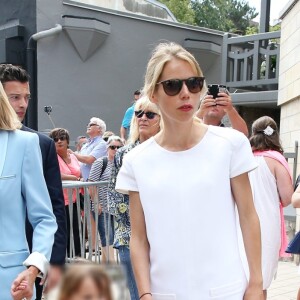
126, 179
100, 150
127, 117
242, 158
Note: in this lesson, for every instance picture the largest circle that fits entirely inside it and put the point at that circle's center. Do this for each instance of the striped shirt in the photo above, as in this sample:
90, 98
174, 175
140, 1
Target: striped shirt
95, 176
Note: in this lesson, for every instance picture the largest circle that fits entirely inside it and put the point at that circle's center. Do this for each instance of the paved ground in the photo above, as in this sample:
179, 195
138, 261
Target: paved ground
287, 283
284, 287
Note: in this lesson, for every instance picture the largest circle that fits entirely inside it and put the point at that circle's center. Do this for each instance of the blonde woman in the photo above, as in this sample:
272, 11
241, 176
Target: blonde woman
22, 188
146, 122
183, 185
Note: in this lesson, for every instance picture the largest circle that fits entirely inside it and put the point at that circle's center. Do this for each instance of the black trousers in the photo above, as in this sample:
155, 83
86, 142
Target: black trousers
38, 287
75, 230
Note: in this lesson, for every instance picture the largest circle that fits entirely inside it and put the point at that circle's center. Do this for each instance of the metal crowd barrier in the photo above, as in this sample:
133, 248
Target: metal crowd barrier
84, 216
115, 271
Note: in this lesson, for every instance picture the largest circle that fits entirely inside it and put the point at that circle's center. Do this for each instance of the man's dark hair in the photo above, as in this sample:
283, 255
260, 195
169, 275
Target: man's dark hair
137, 92
9, 72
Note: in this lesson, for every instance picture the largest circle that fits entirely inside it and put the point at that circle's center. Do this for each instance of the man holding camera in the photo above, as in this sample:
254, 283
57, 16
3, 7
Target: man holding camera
214, 107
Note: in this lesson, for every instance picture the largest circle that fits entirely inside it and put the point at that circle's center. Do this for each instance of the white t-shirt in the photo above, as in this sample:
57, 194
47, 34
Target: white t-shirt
190, 214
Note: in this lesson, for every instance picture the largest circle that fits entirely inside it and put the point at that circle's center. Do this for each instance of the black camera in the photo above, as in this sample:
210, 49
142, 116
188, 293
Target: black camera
48, 109
214, 89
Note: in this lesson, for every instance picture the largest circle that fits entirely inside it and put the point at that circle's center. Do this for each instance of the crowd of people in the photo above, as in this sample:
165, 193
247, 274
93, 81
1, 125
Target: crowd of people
174, 171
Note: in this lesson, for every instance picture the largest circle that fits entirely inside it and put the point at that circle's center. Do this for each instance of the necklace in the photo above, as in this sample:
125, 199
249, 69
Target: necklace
66, 160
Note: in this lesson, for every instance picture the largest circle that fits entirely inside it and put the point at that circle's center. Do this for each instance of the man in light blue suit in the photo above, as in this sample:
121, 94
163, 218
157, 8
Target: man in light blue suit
22, 187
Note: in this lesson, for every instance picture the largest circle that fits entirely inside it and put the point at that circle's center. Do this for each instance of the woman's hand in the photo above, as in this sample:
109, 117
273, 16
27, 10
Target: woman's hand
99, 209
22, 286
254, 292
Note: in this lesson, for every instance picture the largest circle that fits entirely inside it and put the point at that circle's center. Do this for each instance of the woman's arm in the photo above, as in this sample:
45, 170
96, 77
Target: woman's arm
139, 245
115, 199
296, 198
40, 215
250, 226
283, 181
69, 177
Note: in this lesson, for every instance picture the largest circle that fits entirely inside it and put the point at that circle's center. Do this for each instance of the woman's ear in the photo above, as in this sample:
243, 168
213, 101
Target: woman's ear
153, 98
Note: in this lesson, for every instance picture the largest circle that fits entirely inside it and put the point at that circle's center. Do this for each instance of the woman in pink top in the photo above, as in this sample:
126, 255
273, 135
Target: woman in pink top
70, 170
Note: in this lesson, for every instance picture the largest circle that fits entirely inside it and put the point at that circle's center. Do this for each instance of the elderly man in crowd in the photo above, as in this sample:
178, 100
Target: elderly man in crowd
94, 148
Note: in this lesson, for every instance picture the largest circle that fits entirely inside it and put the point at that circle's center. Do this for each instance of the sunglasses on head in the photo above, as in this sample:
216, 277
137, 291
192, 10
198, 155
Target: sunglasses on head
172, 87
62, 138
149, 114
113, 147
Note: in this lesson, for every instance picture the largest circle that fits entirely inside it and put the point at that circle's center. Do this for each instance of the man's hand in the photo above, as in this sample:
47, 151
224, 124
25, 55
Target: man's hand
71, 151
53, 278
225, 101
22, 286
205, 104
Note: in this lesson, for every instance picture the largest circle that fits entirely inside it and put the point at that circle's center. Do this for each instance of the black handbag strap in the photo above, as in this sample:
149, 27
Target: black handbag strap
104, 165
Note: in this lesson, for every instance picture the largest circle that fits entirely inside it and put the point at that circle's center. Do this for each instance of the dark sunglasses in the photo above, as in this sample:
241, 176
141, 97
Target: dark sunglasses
113, 147
90, 125
149, 114
62, 138
172, 87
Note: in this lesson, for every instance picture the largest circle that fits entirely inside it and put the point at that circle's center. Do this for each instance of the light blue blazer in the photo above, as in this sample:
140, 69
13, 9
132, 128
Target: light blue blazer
22, 187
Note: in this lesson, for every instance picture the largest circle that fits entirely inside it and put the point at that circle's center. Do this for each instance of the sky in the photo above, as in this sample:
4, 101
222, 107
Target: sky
276, 7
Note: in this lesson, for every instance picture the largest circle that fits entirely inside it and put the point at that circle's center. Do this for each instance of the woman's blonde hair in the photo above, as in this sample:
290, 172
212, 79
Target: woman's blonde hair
141, 104
8, 117
162, 54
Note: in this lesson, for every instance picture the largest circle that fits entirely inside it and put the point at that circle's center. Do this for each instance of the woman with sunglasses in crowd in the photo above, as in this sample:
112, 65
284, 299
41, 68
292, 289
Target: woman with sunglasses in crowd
69, 170
101, 171
146, 122
183, 185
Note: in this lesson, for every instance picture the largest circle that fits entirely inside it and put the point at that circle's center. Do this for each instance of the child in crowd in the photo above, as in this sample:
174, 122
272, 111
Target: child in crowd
85, 281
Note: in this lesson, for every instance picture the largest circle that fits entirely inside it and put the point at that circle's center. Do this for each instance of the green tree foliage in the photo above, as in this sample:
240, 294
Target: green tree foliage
225, 15
182, 10
255, 29
252, 30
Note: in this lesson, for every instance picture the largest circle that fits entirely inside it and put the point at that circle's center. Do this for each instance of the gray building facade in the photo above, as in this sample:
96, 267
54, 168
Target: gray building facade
91, 65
